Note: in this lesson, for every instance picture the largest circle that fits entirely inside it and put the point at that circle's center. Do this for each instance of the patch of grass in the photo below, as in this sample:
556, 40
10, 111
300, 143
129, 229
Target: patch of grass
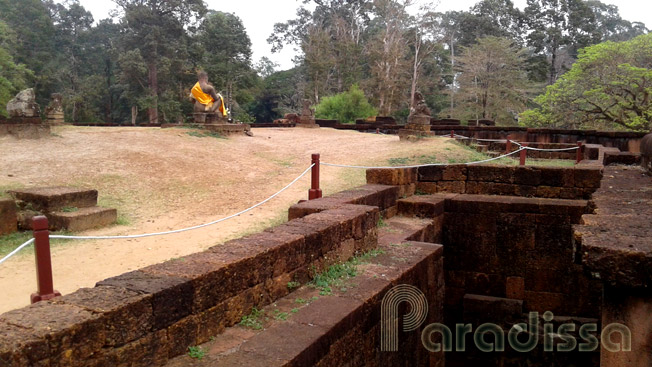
381, 222
286, 163
294, 310
293, 285
205, 134
10, 242
281, 316
196, 352
336, 273
252, 320
365, 257
69, 209
5, 188
301, 301
398, 161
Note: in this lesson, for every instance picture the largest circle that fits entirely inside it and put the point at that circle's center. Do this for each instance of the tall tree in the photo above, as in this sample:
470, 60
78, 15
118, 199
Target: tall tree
388, 54
493, 81
34, 47
557, 27
610, 86
227, 52
157, 29
13, 77
72, 25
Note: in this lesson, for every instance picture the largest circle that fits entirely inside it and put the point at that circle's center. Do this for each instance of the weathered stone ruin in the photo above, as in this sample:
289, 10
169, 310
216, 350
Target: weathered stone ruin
54, 111
66, 208
24, 105
307, 117
24, 118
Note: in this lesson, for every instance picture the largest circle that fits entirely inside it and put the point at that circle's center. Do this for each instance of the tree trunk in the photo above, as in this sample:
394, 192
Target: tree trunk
415, 73
152, 111
553, 66
134, 114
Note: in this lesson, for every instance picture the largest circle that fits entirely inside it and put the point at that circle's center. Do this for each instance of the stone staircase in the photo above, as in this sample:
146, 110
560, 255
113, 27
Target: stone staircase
66, 208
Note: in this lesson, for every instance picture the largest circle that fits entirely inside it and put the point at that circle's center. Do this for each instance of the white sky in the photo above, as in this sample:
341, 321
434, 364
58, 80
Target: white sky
259, 17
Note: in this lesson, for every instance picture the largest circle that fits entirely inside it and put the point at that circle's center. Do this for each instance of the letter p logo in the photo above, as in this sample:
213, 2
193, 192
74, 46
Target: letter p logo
389, 314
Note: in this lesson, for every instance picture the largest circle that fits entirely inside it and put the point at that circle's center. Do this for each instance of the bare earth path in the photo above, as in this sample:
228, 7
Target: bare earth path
164, 179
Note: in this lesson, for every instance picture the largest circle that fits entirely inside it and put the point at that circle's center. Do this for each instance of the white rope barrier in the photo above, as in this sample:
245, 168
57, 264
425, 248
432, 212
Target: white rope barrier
185, 229
552, 150
420, 165
17, 250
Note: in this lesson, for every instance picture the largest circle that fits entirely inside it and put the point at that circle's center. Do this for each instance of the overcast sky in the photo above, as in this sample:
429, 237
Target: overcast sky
259, 17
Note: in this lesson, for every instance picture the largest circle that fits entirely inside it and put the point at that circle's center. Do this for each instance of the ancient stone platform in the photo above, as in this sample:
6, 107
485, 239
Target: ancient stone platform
24, 131
83, 218
52, 199
617, 240
228, 129
65, 207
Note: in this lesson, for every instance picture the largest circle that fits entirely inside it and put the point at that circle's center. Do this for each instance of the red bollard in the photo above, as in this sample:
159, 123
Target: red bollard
452, 134
523, 155
580, 152
315, 191
508, 146
43, 262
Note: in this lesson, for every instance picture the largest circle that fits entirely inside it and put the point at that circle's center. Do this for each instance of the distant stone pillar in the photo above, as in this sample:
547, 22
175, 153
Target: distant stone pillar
418, 123
54, 111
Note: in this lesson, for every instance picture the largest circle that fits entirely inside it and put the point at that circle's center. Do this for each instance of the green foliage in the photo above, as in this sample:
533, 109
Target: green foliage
335, 274
493, 80
293, 285
253, 319
609, 87
345, 107
196, 352
13, 76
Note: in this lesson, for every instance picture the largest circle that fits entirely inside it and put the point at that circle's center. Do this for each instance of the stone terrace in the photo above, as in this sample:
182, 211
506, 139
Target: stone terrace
515, 240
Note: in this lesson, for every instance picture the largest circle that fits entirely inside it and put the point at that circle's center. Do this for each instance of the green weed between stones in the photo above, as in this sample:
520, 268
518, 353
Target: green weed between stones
196, 352
334, 275
253, 319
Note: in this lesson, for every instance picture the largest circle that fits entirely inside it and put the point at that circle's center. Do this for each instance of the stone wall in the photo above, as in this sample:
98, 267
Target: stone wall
545, 182
146, 316
625, 141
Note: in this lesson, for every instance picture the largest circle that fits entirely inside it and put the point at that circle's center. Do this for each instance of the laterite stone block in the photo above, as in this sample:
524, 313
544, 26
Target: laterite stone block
8, 217
172, 297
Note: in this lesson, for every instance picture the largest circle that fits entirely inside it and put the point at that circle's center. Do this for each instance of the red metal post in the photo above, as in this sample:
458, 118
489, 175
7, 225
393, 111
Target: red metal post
508, 146
44, 282
580, 152
315, 191
452, 134
523, 155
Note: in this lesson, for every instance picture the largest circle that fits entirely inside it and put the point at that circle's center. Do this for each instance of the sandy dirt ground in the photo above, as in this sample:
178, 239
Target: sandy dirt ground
165, 179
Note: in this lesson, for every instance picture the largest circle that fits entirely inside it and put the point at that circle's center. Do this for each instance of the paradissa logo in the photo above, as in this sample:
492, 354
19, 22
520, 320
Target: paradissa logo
491, 337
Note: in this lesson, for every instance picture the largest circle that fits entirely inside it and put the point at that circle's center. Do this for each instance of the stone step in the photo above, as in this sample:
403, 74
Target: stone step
82, 219
398, 230
52, 199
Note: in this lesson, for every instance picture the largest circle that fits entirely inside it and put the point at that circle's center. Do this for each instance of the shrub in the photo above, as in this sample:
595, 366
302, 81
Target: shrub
345, 107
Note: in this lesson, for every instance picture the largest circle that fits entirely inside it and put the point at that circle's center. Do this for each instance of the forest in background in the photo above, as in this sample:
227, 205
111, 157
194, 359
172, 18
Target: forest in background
490, 62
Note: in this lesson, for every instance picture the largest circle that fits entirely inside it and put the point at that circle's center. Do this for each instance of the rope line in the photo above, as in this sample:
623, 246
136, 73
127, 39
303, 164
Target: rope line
552, 150
189, 228
519, 144
14, 252
420, 165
